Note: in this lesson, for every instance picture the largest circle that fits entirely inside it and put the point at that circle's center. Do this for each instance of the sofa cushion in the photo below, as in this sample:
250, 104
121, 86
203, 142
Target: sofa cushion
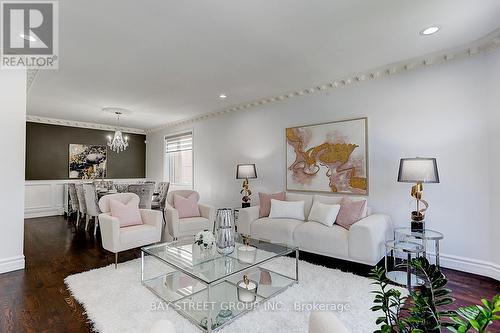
336, 199
137, 233
317, 238
275, 230
187, 206
324, 213
194, 224
328, 199
307, 198
128, 214
287, 209
350, 212
265, 202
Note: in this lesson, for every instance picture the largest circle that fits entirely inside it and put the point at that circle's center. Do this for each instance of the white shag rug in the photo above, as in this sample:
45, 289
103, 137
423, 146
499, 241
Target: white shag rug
116, 302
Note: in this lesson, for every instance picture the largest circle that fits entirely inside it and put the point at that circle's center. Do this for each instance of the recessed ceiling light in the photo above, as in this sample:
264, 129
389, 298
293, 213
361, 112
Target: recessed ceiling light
430, 30
27, 37
222, 96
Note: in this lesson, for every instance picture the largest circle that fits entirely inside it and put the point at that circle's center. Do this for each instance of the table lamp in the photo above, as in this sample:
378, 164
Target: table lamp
246, 172
418, 170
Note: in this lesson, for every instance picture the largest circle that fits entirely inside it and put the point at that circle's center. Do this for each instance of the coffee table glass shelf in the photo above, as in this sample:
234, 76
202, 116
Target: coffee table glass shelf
202, 285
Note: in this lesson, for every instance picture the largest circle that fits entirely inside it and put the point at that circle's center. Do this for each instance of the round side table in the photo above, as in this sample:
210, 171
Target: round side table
397, 275
421, 237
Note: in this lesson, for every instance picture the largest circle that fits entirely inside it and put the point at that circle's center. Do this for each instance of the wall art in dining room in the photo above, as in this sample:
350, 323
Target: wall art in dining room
87, 161
330, 157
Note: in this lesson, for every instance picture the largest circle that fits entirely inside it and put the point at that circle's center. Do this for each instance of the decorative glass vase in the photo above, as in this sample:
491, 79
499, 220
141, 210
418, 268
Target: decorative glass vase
224, 231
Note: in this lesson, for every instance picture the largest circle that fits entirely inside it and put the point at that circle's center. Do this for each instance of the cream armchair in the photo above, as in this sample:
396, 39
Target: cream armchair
325, 322
177, 228
116, 239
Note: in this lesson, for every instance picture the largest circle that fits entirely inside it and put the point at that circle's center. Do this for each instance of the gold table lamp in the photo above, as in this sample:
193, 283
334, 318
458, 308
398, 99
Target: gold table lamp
245, 172
418, 170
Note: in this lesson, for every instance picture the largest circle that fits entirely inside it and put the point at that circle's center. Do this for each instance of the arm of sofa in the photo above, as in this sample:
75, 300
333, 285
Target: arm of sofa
110, 232
154, 218
172, 222
367, 238
207, 212
245, 218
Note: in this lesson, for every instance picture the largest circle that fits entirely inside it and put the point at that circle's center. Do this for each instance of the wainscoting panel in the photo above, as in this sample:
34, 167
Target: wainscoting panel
46, 197
43, 199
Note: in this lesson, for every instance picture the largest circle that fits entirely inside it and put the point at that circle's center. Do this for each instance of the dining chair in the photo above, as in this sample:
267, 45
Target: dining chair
160, 197
93, 210
103, 184
82, 207
73, 201
121, 187
145, 193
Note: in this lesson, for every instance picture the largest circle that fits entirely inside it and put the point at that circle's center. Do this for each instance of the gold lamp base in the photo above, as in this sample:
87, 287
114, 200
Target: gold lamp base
418, 215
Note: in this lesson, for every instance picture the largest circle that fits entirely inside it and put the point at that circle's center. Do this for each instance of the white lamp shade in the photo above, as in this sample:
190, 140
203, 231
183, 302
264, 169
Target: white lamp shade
245, 171
418, 170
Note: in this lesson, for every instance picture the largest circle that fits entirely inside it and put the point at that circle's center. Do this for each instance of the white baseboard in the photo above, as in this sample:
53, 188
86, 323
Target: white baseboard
11, 264
33, 213
470, 265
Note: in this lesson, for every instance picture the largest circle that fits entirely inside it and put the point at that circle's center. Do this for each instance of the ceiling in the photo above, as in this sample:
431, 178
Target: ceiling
170, 60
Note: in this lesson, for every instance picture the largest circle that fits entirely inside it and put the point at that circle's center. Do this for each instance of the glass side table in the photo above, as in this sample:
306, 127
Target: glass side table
421, 237
397, 275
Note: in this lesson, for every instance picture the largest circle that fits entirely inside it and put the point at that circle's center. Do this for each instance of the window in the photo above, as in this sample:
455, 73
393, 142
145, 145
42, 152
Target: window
179, 159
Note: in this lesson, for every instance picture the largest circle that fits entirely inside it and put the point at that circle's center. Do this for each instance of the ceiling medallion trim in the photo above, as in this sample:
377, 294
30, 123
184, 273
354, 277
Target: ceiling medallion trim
486, 43
81, 124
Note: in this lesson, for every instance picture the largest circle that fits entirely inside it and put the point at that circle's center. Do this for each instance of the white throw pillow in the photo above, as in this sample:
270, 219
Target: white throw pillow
324, 213
287, 210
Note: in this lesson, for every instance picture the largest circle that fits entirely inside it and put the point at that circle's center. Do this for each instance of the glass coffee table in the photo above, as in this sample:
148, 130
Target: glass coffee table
202, 285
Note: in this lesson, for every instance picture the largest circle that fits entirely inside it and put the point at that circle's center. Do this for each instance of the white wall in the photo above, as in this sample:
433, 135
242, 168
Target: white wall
493, 75
440, 111
12, 136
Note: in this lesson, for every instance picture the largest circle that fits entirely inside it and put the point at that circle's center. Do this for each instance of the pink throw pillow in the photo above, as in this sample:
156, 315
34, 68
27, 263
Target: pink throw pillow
187, 207
350, 212
127, 214
265, 202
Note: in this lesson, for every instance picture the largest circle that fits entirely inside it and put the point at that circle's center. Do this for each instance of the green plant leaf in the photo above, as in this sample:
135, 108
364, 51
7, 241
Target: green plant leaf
474, 324
443, 301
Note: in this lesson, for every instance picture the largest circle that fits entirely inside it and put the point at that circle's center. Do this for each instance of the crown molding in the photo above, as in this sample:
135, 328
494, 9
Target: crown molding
489, 42
81, 124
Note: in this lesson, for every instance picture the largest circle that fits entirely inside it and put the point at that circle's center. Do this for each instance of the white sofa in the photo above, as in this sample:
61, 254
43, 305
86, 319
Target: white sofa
362, 243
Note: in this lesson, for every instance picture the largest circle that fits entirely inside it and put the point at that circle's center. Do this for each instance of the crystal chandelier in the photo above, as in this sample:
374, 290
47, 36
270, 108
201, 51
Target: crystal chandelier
118, 143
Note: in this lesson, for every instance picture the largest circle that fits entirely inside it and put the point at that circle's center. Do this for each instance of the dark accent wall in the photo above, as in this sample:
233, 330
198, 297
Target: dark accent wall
47, 152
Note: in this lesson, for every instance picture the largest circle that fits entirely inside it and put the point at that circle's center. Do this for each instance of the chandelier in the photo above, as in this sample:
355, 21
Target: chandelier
118, 143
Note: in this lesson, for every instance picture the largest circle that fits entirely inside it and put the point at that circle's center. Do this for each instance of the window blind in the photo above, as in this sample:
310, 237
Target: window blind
179, 142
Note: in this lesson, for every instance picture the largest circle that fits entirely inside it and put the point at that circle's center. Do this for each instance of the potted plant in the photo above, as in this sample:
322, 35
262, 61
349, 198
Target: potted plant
422, 311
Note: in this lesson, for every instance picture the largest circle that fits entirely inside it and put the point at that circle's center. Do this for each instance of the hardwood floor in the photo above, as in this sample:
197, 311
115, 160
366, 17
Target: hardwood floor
36, 299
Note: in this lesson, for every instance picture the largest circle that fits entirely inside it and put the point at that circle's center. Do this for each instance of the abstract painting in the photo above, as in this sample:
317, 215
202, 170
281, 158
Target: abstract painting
331, 157
87, 161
